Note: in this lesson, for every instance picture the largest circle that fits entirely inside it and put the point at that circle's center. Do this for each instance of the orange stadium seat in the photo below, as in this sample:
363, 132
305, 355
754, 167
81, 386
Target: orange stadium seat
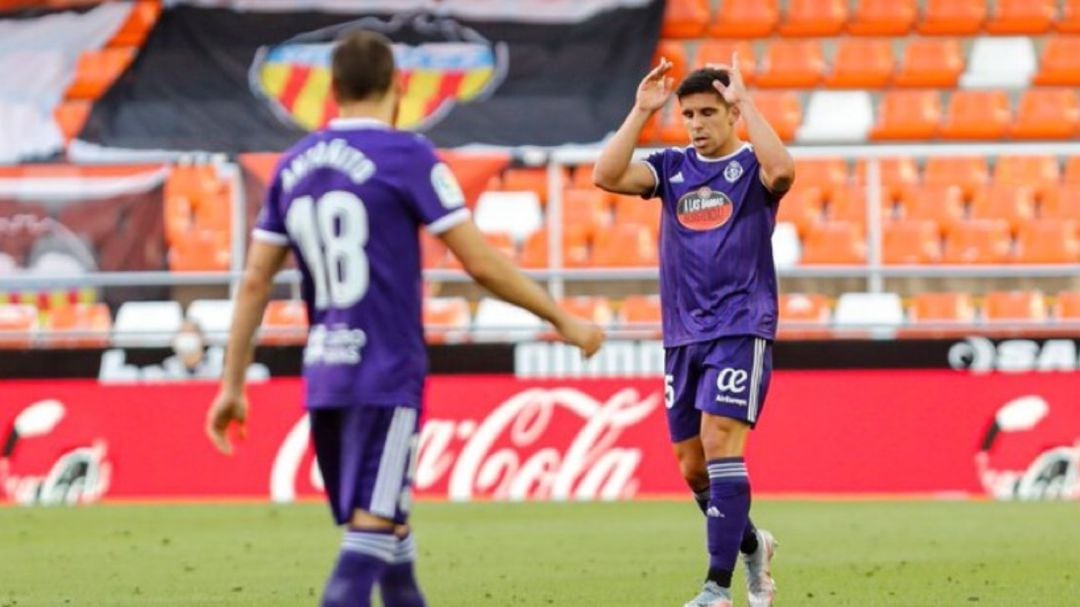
943, 204
433, 252
849, 204
1068, 306
808, 312
18, 322
913, 241
633, 210
625, 246
827, 173
942, 307
672, 129
977, 115
1007, 306
200, 251
1022, 17
587, 209
446, 319
1014, 204
949, 17
284, 323
675, 52
1069, 22
639, 311
834, 242
802, 206
71, 117
883, 17
720, 51
908, 115
95, 72
144, 14
983, 241
814, 18
502, 243
1047, 114
1060, 62
575, 250
526, 180
1062, 202
1072, 170
78, 326
593, 308
897, 175
582, 177
931, 63
745, 19
1048, 241
685, 18
861, 64
970, 173
791, 64
781, 108
1040, 173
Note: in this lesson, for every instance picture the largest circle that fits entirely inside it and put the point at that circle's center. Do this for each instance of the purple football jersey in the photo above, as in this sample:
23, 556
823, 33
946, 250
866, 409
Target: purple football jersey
349, 201
717, 276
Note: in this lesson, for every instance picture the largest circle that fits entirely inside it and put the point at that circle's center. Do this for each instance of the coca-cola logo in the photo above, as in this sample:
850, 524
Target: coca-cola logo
542, 443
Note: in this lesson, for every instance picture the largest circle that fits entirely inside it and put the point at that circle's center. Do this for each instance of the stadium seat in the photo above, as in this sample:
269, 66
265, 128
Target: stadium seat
883, 17
200, 251
952, 17
803, 316
1062, 202
745, 19
720, 51
95, 72
1013, 306
1000, 62
908, 116
1072, 170
861, 64
575, 249
625, 246
285, 322
144, 14
814, 18
834, 242
1013, 204
942, 308
837, 117
146, 323
912, 241
57, 263
671, 130
983, 241
897, 175
641, 312
930, 63
977, 115
675, 52
881, 313
849, 204
1048, 241
18, 326
1060, 62
446, 319
515, 213
685, 18
587, 209
1068, 306
968, 172
787, 250
1069, 22
502, 243
71, 117
826, 173
1040, 173
791, 64
497, 320
942, 204
1047, 114
1022, 17
526, 180
592, 308
433, 252
8, 265
781, 109
78, 326
803, 205
634, 210
214, 317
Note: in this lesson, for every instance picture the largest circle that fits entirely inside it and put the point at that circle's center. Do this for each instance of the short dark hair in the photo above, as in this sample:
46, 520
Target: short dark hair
362, 66
701, 81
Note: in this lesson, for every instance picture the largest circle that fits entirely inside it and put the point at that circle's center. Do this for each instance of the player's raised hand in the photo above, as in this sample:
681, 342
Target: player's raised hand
585, 335
228, 409
735, 91
655, 89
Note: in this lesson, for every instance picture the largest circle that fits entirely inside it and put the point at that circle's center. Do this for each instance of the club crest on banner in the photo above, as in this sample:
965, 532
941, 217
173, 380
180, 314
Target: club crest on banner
442, 63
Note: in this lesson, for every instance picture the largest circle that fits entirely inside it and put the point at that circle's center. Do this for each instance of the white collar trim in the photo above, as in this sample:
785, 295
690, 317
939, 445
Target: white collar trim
358, 123
743, 147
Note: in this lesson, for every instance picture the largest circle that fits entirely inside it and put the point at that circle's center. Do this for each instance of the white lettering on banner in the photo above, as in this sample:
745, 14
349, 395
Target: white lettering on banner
616, 359
980, 355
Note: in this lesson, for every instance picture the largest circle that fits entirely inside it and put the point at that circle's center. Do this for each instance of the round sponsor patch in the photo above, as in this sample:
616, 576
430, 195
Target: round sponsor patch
704, 209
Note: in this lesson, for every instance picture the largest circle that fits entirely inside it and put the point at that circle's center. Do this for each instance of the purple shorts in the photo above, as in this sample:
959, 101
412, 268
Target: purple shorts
366, 458
728, 377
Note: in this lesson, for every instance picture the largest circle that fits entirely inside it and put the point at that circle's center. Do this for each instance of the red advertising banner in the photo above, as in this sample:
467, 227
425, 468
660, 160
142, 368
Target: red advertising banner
497, 437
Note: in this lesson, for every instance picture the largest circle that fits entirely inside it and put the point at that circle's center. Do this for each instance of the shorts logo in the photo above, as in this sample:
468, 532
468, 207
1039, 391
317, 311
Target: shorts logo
733, 171
731, 380
704, 209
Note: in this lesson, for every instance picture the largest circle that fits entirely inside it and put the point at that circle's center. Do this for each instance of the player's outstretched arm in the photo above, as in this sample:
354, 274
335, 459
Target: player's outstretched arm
229, 407
777, 165
614, 170
496, 273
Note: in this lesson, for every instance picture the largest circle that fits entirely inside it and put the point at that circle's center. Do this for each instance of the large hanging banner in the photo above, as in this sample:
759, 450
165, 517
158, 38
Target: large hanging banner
231, 80
824, 433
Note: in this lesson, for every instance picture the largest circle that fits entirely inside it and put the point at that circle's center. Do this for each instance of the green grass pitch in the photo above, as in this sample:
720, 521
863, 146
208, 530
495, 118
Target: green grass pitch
647, 554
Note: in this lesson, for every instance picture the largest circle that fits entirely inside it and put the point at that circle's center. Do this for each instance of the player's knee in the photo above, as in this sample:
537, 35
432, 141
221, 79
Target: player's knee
695, 475
723, 437
365, 521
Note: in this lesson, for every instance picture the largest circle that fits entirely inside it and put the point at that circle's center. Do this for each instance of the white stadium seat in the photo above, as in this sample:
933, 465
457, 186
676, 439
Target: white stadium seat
515, 213
497, 320
55, 263
837, 117
1000, 63
214, 317
146, 323
787, 250
881, 313
7, 265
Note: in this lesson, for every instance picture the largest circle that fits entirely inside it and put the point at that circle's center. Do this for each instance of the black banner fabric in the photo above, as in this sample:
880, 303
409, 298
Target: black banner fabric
226, 81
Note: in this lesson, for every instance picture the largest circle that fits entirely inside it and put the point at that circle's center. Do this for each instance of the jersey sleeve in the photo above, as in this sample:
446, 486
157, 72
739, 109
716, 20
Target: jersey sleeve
270, 225
434, 192
655, 162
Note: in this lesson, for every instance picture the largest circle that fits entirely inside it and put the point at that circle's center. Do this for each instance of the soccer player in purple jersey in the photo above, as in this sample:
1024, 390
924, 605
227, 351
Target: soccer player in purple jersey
349, 201
718, 296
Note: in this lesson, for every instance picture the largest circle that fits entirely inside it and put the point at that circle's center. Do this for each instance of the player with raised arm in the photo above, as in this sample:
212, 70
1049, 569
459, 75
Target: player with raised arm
718, 296
349, 201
